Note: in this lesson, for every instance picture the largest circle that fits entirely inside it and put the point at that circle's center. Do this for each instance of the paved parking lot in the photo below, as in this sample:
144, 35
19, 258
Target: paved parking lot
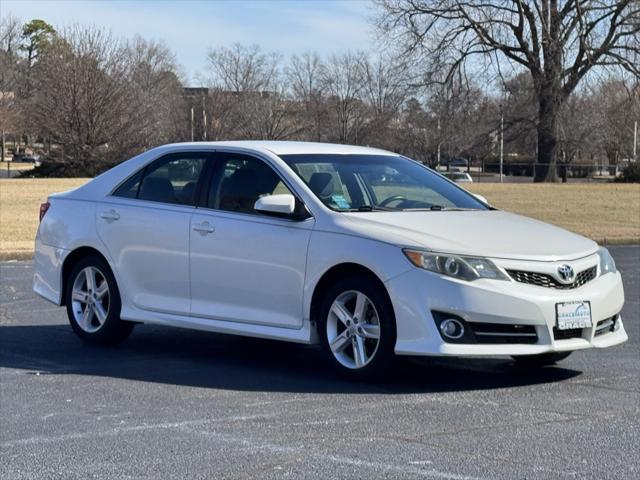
170, 403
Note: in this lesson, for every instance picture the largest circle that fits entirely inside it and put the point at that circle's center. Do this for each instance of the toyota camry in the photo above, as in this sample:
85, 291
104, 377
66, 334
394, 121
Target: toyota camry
363, 251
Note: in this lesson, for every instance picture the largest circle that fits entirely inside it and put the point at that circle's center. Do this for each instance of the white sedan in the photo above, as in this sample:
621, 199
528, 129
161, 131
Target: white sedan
363, 251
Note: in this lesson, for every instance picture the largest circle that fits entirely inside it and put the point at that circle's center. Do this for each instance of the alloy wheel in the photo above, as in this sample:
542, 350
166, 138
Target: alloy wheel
90, 299
353, 329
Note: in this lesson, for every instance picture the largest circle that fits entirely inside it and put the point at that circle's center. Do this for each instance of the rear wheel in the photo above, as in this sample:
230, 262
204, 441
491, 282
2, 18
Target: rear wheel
357, 326
541, 360
93, 303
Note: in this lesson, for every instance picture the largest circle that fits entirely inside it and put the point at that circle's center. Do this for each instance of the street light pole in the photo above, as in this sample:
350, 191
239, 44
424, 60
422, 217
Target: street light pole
192, 124
438, 142
501, 144
204, 121
635, 140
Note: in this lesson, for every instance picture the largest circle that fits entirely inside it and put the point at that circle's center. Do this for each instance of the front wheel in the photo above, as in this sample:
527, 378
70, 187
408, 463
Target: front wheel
93, 303
541, 360
357, 326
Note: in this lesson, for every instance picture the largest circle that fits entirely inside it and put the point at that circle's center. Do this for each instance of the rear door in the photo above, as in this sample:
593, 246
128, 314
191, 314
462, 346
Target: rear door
246, 266
145, 227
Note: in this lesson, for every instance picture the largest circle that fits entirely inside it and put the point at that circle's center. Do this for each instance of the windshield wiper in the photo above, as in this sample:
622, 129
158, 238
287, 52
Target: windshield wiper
366, 208
439, 208
374, 208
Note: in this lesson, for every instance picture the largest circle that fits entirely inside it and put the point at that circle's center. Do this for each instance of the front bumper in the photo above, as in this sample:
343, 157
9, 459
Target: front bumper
416, 293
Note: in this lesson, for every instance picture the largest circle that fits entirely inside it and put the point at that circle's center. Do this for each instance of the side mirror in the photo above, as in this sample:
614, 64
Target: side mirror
283, 204
481, 198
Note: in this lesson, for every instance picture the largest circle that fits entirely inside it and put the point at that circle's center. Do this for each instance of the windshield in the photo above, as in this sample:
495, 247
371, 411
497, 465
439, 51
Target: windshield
378, 182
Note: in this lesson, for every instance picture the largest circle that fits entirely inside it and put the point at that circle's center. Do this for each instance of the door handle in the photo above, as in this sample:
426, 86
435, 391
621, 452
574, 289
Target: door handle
204, 228
110, 215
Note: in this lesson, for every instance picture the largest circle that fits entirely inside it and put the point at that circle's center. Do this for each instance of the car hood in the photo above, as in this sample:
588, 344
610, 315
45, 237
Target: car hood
488, 233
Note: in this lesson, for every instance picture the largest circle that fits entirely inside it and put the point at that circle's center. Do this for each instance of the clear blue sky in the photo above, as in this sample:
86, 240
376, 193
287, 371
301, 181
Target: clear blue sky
189, 28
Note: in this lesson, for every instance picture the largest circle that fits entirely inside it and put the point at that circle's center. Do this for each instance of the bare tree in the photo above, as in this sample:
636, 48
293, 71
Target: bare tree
415, 135
518, 107
268, 116
220, 108
557, 42
455, 110
10, 29
613, 108
384, 90
305, 82
83, 100
342, 82
243, 69
157, 92
254, 83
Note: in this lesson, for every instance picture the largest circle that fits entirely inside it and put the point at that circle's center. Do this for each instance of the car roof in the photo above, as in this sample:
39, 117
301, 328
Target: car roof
293, 148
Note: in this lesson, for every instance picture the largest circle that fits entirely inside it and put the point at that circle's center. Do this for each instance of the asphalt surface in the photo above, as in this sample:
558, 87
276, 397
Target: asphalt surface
171, 403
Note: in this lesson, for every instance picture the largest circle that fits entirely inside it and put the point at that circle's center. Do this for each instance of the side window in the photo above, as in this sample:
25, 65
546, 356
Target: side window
129, 189
171, 179
240, 181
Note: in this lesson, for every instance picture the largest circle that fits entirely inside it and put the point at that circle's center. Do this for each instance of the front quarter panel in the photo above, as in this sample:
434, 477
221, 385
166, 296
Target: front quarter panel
328, 249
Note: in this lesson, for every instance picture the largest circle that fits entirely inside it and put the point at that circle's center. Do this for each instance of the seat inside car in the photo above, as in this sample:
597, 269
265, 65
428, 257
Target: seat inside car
321, 183
157, 189
239, 192
187, 194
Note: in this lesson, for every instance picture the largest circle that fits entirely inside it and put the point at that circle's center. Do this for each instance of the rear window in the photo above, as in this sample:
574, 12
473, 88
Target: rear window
171, 179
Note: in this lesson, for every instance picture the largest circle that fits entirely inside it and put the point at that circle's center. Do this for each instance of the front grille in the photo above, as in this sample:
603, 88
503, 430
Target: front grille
565, 334
502, 333
544, 280
607, 325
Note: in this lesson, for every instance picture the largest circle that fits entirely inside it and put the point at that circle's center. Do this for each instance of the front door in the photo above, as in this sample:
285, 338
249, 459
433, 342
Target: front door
246, 266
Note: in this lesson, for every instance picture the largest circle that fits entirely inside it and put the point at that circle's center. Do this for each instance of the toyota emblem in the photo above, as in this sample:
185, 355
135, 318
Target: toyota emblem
566, 273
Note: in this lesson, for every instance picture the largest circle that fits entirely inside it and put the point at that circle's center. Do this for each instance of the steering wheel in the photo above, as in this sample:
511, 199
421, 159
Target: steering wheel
394, 198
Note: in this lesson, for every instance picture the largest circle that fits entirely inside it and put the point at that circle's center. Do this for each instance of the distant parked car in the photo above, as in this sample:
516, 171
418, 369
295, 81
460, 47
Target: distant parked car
31, 158
458, 177
458, 162
26, 157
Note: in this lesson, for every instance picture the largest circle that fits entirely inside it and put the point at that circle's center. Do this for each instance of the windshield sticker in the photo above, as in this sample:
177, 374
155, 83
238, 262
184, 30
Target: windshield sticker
340, 201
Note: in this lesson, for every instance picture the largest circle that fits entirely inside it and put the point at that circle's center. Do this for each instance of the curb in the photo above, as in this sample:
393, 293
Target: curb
8, 255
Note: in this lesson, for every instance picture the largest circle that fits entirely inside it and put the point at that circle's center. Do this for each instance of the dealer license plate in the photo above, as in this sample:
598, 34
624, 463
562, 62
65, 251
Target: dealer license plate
573, 315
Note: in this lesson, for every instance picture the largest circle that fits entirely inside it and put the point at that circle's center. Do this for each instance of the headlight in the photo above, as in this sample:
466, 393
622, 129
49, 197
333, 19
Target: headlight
465, 268
607, 265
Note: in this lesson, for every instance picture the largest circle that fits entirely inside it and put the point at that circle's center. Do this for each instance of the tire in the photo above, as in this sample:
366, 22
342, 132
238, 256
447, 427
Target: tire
364, 351
541, 360
94, 309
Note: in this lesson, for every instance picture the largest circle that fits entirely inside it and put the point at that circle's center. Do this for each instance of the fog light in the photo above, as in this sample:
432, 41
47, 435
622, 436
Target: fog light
452, 328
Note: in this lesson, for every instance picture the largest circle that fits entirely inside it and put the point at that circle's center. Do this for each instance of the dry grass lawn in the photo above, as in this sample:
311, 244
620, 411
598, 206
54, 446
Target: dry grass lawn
20, 201
607, 213
16, 166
